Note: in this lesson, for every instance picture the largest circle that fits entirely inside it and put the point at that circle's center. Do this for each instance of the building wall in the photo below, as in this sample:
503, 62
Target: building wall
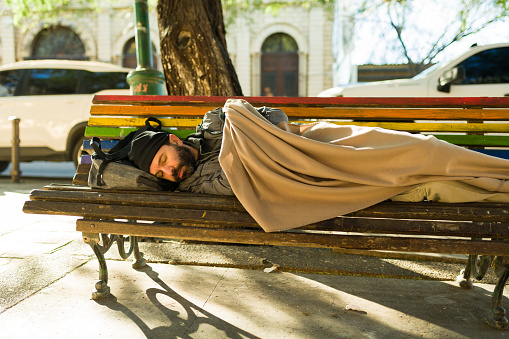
343, 68
310, 28
104, 34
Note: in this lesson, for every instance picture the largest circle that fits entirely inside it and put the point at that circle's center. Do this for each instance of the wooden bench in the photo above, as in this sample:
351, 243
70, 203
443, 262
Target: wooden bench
480, 230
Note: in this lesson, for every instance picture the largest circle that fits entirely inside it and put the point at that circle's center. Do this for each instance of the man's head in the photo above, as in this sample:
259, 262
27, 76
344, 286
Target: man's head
163, 155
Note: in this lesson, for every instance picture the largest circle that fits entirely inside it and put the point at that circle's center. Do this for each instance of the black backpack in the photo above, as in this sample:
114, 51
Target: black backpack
122, 173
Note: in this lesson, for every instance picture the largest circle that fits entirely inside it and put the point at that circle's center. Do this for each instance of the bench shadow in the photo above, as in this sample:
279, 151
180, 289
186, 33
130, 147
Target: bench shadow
456, 305
302, 259
447, 307
189, 322
435, 302
178, 327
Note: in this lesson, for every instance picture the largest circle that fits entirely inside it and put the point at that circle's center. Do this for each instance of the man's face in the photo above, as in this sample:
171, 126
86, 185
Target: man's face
173, 162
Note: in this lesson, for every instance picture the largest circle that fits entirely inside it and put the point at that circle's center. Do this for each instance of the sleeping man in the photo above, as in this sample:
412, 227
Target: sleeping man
288, 175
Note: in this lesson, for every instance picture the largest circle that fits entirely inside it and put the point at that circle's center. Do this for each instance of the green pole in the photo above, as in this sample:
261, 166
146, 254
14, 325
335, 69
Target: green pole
145, 80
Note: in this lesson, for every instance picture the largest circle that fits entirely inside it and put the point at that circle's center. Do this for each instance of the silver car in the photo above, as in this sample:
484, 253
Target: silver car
52, 98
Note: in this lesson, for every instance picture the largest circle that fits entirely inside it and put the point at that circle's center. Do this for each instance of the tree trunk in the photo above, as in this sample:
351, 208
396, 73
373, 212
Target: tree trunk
193, 49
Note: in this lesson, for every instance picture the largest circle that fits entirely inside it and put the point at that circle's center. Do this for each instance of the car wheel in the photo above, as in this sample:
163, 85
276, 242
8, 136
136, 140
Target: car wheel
77, 151
3, 165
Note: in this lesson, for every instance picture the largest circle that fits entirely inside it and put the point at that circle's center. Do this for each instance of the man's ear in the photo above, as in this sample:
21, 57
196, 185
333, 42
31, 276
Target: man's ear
175, 140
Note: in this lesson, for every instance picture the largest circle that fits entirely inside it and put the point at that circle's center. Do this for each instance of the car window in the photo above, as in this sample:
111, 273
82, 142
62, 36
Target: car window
487, 67
52, 81
93, 82
8, 82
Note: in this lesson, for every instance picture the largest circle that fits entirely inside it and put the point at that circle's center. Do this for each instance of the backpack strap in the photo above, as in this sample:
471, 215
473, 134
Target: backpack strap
95, 143
222, 115
149, 126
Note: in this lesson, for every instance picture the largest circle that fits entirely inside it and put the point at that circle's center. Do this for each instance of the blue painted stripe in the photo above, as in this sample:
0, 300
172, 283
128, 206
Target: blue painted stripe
500, 153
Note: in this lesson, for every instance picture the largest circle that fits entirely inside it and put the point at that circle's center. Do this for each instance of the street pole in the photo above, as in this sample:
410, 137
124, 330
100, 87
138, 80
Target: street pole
145, 80
15, 172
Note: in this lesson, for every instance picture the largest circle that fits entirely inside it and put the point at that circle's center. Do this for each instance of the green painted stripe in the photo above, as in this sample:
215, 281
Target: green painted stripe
476, 140
119, 133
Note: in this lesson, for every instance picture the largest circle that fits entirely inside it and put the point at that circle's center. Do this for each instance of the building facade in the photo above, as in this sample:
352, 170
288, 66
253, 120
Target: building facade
284, 54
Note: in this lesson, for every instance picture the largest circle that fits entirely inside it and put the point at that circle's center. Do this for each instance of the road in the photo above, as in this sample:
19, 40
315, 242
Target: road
44, 169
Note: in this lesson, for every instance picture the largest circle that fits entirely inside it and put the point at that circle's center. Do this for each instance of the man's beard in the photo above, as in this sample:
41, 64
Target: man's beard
186, 160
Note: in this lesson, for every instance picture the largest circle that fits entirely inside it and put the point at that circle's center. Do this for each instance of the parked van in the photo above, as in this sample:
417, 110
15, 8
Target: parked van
482, 71
52, 98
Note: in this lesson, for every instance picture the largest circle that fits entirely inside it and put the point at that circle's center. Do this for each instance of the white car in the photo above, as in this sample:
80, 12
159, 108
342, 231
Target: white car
482, 71
52, 98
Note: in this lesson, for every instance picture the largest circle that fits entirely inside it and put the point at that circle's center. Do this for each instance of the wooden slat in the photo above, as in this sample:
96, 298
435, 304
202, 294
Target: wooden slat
85, 159
218, 219
119, 133
67, 187
434, 228
81, 175
149, 110
413, 127
470, 102
430, 127
405, 244
479, 212
461, 140
140, 122
316, 112
500, 153
476, 140
222, 217
232, 218
105, 144
80, 179
138, 198
83, 167
107, 132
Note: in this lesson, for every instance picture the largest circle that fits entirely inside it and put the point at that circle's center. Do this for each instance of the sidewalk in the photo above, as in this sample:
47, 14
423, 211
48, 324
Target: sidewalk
47, 274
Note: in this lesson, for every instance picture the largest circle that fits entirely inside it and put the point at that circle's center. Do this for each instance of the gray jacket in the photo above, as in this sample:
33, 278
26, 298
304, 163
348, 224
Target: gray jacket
209, 177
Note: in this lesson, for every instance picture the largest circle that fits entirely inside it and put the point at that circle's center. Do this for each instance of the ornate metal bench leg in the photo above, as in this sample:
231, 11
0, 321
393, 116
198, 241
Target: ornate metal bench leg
102, 290
140, 261
477, 266
497, 318
464, 278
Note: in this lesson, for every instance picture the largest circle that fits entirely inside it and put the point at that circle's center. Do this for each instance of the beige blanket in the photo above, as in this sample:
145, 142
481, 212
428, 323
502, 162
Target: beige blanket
286, 180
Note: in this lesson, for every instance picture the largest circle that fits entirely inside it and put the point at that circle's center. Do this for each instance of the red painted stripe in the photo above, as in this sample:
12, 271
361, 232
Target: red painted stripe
471, 102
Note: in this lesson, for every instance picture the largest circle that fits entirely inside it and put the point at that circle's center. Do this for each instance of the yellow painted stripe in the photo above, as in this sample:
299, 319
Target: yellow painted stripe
315, 112
431, 127
140, 122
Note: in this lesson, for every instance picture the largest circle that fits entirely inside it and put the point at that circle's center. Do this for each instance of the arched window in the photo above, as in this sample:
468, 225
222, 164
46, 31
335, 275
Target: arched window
58, 42
280, 66
129, 54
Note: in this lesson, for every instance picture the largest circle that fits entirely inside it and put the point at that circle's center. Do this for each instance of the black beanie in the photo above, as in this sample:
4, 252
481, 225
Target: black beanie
144, 147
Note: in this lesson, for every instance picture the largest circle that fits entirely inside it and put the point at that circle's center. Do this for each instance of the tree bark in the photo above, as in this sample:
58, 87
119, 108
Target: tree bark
193, 49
